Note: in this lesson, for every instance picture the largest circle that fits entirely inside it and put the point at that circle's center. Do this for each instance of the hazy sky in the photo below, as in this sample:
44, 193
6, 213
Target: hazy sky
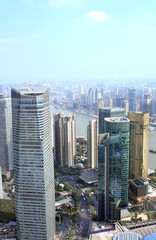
77, 39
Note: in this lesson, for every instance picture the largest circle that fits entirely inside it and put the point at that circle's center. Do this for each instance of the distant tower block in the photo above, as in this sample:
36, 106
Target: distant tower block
132, 97
1, 186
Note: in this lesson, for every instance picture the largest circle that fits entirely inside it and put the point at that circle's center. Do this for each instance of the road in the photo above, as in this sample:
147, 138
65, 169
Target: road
84, 227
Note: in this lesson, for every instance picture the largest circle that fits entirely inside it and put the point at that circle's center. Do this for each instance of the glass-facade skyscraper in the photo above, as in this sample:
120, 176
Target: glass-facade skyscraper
33, 164
113, 162
109, 112
132, 98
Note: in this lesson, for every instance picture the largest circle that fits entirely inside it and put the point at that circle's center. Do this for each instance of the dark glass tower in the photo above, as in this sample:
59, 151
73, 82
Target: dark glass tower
109, 112
113, 160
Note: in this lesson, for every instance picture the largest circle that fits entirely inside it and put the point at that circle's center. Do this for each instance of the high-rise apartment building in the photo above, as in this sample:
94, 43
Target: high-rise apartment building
109, 112
6, 159
92, 143
113, 169
65, 138
139, 137
33, 163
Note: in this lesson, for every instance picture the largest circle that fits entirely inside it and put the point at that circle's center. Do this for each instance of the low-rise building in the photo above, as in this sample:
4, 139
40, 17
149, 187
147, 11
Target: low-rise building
138, 189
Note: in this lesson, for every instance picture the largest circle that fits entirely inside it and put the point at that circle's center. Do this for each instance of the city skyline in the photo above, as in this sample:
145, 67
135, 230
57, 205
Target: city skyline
82, 38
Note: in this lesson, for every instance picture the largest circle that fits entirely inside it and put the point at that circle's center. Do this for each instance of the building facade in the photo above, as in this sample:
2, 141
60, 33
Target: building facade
113, 162
33, 164
6, 159
109, 112
139, 138
92, 143
65, 138
1, 186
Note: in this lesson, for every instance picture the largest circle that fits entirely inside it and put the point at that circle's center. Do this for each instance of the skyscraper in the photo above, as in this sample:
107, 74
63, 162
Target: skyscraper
33, 164
139, 137
65, 138
132, 98
113, 166
6, 159
1, 186
92, 143
109, 112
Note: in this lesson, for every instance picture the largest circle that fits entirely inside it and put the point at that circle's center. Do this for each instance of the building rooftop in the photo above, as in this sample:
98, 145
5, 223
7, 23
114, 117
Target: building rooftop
117, 119
30, 90
113, 109
127, 235
89, 177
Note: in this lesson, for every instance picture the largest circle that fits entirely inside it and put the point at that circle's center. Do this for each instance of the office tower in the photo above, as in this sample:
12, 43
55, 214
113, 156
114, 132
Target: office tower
65, 138
1, 186
6, 161
33, 163
132, 98
109, 112
139, 137
113, 167
92, 143
91, 97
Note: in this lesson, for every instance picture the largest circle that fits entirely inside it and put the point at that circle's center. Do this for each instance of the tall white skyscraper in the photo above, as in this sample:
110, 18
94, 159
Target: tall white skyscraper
92, 143
65, 138
6, 161
33, 164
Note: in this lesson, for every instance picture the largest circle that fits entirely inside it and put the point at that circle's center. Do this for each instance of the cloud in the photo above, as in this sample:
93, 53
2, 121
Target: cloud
62, 3
140, 30
6, 43
10, 41
97, 16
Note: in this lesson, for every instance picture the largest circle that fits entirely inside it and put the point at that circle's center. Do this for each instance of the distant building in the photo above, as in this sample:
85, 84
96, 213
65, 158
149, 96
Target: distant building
92, 140
65, 138
138, 189
125, 105
113, 162
33, 163
132, 98
91, 97
97, 94
153, 107
139, 138
1, 186
6, 158
109, 112
147, 103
